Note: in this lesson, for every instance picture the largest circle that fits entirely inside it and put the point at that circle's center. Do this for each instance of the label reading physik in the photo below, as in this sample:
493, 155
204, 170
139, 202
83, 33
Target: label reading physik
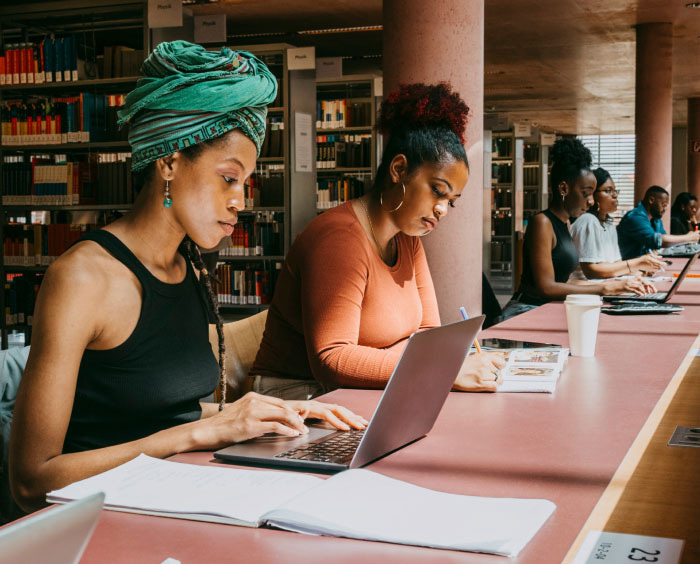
617, 548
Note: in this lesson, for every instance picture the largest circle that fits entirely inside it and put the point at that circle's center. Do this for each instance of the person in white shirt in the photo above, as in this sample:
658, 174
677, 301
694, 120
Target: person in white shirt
595, 237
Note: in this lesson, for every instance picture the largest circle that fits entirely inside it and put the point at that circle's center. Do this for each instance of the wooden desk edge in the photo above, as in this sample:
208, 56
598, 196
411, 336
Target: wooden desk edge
607, 502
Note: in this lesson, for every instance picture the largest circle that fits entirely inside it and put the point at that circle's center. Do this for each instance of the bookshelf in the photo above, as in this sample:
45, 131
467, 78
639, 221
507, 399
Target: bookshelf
518, 176
281, 199
347, 146
64, 164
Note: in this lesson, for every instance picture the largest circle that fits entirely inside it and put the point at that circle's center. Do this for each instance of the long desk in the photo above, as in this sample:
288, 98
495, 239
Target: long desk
580, 448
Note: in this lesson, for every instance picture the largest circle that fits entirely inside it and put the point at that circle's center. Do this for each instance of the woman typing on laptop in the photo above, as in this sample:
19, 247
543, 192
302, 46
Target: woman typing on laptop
356, 283
595, 237
120, 354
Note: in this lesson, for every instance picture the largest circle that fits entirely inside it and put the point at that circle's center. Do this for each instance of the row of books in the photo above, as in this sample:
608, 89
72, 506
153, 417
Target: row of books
20, 295
501, 198
55, 59
531, 152
39, 245
335, 114
335, 191
247, 285
103, 178
501, 173
502, 223
84, 118
531, 176
273, 145
348, 151
256, 235
266, 186
502, 147
500, 251
119, 61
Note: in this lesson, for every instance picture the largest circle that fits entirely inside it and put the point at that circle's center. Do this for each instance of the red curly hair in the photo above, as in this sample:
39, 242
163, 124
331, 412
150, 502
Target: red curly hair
423, 104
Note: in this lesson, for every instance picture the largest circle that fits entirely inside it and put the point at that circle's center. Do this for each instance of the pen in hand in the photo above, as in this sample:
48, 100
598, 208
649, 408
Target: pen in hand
465, 316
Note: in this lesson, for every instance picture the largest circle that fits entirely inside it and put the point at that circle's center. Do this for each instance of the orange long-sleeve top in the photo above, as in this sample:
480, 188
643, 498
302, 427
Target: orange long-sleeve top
339, 313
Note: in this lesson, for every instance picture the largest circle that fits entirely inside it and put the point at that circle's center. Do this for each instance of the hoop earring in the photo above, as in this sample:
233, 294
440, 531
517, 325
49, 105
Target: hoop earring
403, 197
167, 202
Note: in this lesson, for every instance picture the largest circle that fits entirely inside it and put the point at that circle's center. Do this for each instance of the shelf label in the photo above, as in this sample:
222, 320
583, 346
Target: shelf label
164, 13
617, 548
547, 139
301, 58
210, 29
522, 129
302, 142
329, 67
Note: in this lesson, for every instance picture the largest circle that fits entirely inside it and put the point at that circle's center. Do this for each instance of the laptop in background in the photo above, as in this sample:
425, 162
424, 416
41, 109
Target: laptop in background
58, 535
407, 410
658, 297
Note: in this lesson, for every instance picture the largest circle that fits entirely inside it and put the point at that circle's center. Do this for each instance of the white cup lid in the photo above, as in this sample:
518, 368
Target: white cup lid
584, 299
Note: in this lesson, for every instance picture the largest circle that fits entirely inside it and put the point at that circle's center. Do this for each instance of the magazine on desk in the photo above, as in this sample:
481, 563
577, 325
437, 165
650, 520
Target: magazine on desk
356, 504
531, 369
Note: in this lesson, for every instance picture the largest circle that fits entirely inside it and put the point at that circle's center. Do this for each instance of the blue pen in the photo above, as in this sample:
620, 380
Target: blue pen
465, 316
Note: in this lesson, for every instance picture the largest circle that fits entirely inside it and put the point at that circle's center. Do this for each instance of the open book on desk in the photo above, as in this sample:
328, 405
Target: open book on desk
356, 504
532, 370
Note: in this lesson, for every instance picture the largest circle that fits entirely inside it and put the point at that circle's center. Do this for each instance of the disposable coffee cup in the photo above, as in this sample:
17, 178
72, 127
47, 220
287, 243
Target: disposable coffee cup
582, 315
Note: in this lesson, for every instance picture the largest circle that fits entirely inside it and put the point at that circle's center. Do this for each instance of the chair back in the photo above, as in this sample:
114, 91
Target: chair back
242, 340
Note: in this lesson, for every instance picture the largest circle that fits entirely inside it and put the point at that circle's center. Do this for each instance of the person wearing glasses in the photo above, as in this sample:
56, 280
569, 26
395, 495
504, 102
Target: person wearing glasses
595, 237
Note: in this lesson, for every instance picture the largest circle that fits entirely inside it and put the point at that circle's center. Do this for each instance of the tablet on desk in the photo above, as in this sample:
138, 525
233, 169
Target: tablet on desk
493, 343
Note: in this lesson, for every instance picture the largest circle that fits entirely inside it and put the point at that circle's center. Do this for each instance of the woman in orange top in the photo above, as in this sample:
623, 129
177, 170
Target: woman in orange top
356, 283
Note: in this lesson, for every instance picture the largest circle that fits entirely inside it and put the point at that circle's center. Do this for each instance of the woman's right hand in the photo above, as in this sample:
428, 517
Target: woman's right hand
480, 373
251, 416
648, 263
628, 285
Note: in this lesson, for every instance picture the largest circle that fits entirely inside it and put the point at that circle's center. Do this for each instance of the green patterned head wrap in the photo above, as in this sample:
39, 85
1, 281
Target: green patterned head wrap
189, 95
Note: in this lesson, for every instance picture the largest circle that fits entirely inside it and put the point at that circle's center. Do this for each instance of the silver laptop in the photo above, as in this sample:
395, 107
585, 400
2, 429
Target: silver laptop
407, 410
657, 297
58, 535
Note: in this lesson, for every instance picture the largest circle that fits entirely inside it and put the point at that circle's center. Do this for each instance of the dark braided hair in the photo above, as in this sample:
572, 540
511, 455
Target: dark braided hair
424, 122
571, 160
206, 279
683, 199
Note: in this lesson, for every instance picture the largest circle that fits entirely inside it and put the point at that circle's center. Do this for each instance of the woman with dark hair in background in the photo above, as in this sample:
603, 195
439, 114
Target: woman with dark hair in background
120, 355
595, 237
356, 284
683, 214
549, 253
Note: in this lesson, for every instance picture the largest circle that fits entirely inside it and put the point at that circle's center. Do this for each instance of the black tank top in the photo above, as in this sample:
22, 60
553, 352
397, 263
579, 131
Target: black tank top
153, 380
564, 260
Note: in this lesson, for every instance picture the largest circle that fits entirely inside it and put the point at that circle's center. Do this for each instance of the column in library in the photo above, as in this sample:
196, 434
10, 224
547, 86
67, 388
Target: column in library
653, 120
694, 146
433, 42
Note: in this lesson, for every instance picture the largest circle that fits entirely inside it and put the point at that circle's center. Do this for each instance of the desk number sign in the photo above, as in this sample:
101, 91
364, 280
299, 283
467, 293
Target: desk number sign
617, 548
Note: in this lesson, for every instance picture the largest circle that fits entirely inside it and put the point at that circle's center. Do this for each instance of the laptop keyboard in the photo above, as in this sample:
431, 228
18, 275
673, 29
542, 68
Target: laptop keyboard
337, 448
654, 296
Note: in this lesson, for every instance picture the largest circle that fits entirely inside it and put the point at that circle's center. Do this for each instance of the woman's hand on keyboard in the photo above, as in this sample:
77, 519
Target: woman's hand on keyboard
337, 415
627, 285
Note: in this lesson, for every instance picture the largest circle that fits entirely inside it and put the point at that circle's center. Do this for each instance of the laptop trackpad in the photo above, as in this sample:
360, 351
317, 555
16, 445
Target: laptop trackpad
269, 445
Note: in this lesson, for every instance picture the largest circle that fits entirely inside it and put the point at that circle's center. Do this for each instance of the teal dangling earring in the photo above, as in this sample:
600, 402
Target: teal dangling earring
167, 202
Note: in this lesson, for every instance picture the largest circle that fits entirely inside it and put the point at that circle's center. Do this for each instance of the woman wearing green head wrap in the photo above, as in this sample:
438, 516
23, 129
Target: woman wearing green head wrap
120, 356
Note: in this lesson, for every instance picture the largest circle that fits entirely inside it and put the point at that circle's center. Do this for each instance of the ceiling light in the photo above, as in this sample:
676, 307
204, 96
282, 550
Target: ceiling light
341, 30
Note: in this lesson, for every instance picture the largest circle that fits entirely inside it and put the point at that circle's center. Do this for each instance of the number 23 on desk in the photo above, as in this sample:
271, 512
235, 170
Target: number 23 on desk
617, 548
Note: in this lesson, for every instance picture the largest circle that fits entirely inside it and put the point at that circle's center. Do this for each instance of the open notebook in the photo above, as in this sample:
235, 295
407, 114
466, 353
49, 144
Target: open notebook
356, 503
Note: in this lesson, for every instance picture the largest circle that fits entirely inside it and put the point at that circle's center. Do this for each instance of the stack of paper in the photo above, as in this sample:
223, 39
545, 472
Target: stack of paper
356, 503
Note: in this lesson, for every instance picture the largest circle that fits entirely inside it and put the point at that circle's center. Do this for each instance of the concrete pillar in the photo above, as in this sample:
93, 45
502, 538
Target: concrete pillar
653, 118
694, 146
430, 42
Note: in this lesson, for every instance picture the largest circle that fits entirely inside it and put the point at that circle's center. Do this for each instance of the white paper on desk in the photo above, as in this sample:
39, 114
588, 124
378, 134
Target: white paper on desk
189, 491
365, 505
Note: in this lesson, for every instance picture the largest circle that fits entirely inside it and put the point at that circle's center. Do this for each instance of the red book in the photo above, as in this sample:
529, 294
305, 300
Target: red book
9, 64
23, 67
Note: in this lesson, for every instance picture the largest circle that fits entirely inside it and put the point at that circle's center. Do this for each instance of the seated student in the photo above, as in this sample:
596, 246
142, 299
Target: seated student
641, 230
355, 283
120, 354
683, 214
595, 237
549, 253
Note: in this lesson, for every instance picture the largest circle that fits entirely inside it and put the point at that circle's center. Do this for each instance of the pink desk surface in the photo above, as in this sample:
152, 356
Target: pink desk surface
564, 447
